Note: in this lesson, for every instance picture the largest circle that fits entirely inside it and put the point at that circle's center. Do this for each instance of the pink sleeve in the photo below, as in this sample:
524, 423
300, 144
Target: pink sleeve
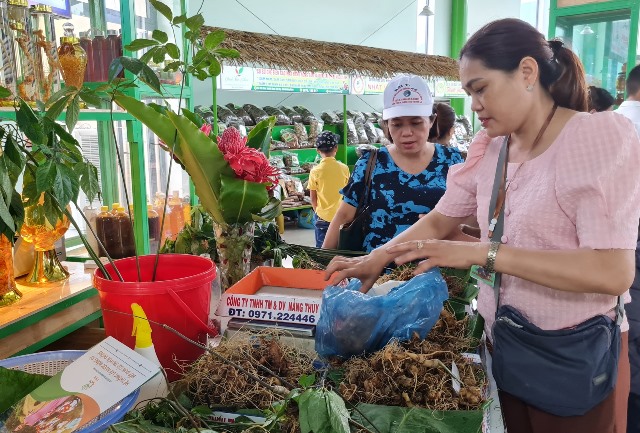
459, 199
598, 181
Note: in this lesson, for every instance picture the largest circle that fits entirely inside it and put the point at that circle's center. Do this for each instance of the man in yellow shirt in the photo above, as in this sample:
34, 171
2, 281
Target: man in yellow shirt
325, 182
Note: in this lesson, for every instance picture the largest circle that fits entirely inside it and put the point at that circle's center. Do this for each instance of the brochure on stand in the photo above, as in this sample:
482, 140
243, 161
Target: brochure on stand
93, 383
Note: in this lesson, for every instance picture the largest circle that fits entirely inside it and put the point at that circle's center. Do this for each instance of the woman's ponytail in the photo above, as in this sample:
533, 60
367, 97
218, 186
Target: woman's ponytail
567, 86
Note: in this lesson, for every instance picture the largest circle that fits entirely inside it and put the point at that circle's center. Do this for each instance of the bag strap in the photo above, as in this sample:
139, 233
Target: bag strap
499, 225
368, 176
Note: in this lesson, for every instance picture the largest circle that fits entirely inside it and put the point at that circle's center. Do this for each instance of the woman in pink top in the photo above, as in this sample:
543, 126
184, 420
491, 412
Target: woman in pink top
571, 209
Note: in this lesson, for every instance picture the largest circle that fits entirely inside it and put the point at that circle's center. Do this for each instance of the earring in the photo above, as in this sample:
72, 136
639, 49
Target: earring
530, 88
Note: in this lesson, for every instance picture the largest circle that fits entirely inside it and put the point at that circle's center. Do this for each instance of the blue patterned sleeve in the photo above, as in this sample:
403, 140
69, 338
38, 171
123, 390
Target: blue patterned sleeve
355, 187
455, 157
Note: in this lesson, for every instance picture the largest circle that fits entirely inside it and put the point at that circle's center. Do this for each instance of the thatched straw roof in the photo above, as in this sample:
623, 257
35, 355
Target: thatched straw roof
297, 54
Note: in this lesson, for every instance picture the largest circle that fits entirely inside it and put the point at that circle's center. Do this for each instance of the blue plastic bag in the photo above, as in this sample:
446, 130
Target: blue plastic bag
352, 323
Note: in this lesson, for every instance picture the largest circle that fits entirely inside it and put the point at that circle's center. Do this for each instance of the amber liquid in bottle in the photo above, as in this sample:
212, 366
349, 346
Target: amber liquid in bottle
154, 229
85, 43
127, 239
105, 229
99, 67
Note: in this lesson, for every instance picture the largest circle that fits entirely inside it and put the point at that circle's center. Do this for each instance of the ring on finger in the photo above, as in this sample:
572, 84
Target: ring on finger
420, 244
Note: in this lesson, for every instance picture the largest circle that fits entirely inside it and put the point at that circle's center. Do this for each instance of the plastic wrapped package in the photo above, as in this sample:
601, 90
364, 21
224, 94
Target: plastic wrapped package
362, 133
289, 136
241, 113
369, 117
221, 128
206, 113
330, 118
277, 161
281, 117
290, 159
352, 134
307, 116
378, 117
315, 128
357, 116
227, 116
301, 133
353, 323
380, 134
370, 130
278, 145
256, 113
291, 113
307, 166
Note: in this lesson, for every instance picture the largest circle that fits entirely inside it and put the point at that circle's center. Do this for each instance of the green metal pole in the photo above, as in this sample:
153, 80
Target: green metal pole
342, 150
97, 15
214, 107
458, 38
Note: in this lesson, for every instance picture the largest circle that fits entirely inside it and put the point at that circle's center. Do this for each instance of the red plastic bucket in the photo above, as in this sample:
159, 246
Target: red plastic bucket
179, 297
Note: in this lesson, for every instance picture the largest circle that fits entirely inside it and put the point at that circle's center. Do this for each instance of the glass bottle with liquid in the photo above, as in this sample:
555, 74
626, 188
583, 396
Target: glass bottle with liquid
26, 66
44, 40
186, 210
127, 238
87, 46
106, 231
112, 50
7, 57
177, 214
73, 59
154, 229
99, 44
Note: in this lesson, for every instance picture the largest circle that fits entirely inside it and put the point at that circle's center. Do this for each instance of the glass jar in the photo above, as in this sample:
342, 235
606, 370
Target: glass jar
73, 59
44, 39
7, 56
26, 66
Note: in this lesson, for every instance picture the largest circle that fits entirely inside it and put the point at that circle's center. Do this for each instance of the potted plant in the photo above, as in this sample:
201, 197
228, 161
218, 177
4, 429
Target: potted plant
53, 172
231, 173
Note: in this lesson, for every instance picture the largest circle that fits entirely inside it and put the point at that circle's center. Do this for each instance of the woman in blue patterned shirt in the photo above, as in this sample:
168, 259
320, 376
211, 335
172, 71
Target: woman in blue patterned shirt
409, 176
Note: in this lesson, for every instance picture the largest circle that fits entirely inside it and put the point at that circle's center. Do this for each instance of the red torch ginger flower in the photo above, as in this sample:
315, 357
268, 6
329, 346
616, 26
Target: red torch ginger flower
206, 129
247, 163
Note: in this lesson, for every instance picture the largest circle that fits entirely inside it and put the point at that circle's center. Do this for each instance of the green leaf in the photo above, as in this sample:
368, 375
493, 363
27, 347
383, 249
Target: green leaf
322, 411
63, 134
45, 176
132, 65
195, 22
160, 36
195, 118
5, 93
60, 93
307, 380
240, 199
179, 19
13, 153
172, 50
159, 54
30, 124
115, 68
148, 76
162, 8
268, 213
6, 187
65, 185
156, 121
173, 66
30, 189
214, 39
260, 136
17, 210
50, 210
89, 183
90, 97
204, 162
6, 219
394, 419
56, 109
146, 57
73, 113
16, 384
228, 53
141, 44
214, 67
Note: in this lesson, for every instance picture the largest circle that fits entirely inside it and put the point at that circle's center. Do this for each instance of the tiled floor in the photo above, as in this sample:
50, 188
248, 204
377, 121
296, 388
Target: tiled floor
299, 236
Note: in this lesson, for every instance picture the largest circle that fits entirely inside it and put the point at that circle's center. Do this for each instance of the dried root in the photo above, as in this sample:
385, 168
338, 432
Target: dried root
213, 382
417, 373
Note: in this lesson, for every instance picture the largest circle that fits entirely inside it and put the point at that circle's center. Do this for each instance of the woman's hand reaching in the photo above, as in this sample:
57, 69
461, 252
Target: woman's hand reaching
432, 253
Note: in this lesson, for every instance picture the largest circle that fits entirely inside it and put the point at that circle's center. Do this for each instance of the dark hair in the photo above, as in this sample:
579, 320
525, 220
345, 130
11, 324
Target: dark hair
633, 81
445, 119
600, 99
502, 44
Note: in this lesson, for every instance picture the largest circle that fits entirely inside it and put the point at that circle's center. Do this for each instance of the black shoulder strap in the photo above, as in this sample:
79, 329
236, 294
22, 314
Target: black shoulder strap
368, 175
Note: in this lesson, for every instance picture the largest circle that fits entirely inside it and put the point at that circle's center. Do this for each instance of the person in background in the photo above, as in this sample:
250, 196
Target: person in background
325, 182
443, 126
570, 210
600, 100
630, 108
410, 174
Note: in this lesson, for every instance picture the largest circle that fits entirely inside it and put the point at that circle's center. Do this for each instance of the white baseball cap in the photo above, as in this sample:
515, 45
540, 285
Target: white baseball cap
407, 95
